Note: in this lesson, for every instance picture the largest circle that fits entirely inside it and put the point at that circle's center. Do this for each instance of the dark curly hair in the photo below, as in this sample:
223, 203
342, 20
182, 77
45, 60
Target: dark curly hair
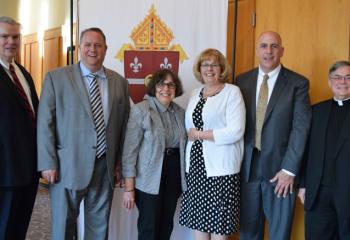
158, 77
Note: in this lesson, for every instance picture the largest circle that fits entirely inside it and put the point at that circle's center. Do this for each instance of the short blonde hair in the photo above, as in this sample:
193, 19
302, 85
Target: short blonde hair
219, 57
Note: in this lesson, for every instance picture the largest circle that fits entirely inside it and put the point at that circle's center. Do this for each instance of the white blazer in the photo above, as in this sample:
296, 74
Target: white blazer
225, 114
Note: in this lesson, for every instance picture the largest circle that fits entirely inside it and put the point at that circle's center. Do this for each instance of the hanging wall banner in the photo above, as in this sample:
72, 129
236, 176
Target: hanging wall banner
143, 36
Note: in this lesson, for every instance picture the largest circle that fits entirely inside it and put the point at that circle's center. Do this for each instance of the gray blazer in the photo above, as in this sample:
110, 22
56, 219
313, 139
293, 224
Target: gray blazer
286, 124
145, 143
67, 137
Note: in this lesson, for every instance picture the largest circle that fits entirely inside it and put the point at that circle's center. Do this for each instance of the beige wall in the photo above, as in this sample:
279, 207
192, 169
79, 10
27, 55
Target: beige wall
40, 15
9, 8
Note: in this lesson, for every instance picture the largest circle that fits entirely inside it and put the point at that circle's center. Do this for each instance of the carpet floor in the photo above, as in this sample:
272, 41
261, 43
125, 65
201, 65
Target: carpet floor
40, 223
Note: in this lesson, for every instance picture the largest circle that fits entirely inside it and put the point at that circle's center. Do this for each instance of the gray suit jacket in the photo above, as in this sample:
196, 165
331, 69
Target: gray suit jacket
145, 144
286, 123
67, 137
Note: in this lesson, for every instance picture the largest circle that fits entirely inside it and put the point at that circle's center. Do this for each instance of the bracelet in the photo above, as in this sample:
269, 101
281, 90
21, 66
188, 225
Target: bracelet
130, 190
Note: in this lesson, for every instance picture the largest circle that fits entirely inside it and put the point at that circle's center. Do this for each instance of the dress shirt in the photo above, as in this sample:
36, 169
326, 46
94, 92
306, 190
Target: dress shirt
102, 82
271, 81
171, 127
21, 78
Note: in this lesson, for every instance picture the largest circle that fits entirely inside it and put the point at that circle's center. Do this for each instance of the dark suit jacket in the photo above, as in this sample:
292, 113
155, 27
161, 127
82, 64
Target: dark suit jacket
315, 153
286, 123
18, 161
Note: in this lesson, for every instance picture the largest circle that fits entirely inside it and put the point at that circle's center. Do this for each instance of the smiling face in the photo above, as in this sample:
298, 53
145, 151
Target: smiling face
165, 91
9, 41
339, 83
92, 50
210, 71
269, 51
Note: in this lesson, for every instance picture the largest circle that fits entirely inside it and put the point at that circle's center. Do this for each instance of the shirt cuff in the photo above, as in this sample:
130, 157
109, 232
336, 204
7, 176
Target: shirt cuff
289, 173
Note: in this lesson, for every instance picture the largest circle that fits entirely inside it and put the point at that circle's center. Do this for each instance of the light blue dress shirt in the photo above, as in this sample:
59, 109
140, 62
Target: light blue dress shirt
102, 85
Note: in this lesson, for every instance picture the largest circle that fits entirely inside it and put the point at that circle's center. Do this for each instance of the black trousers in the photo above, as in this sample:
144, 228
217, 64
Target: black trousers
156, 212
16, 206
326, 220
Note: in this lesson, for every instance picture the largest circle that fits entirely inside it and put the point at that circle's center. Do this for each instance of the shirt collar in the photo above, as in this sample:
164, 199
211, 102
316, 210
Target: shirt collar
272, 73
341, 102
160, 107
6, 64
85, 71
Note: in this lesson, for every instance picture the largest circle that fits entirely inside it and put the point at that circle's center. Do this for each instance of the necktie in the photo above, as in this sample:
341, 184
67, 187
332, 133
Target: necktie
22, 93
261, 110
97, 113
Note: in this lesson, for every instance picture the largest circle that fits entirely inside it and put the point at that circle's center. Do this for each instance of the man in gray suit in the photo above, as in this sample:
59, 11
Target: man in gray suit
81, 123
278, 120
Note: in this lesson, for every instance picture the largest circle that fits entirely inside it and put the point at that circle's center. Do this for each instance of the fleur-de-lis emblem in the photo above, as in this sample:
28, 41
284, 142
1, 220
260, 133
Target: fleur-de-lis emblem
136, 65
166, 64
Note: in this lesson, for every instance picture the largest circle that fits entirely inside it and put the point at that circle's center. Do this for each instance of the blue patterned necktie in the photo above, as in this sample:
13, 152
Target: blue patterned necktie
97, 113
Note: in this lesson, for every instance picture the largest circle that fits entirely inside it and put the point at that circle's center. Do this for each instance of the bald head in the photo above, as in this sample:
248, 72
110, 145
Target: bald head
269, 50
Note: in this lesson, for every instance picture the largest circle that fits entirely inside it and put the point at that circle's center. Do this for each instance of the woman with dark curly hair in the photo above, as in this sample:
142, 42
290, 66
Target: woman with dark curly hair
153, 156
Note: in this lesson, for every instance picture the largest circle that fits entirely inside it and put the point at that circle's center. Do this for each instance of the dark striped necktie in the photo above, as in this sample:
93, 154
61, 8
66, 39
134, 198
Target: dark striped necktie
22, 93
97, 113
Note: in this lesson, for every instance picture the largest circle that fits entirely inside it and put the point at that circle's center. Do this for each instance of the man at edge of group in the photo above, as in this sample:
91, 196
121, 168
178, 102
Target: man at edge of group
326, 179
81, 124
18, 157
278, 120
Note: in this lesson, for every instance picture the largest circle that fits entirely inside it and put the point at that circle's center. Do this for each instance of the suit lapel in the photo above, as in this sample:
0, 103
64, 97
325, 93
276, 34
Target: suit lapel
276, 92
252, 93
160, 132
111, 93
13, 88
34, 96
80, 87
345, 132
322, 128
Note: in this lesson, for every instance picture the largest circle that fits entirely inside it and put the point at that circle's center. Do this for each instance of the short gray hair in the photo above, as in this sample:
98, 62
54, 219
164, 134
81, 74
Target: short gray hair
8, 20
337, 65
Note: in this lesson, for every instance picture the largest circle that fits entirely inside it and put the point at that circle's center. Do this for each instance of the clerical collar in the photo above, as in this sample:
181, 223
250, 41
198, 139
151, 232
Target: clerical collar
341, 102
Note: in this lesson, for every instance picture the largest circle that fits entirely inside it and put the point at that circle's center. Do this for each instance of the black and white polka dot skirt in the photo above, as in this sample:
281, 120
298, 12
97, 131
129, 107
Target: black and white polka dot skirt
210, 204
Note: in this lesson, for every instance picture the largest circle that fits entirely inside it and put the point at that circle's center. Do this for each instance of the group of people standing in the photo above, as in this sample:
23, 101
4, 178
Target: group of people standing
236, 155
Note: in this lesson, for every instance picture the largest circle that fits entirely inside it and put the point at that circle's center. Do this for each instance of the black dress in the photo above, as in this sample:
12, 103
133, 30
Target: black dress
210, 204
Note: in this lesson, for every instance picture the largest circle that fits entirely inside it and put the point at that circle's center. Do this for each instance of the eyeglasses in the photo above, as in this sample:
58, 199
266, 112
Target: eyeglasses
170, 85
207, 65
339, 78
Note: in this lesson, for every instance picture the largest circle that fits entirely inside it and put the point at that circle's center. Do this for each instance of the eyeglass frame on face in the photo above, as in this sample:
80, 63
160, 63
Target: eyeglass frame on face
170, 85
212, 65
340, 77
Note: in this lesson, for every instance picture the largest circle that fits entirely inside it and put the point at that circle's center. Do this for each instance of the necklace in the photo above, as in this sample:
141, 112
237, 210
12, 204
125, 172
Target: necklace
210, 93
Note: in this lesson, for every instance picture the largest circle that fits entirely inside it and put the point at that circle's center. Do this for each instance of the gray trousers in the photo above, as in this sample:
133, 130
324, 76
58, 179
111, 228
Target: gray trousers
97, 198
259, 202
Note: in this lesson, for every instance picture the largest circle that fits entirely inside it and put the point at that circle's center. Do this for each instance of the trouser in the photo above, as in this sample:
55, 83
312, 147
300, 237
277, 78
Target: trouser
260, 203
97, 198
156, 212
16, 206
326, 220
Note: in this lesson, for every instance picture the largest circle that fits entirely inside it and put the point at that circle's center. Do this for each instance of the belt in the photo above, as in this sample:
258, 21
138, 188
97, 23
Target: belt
171, 151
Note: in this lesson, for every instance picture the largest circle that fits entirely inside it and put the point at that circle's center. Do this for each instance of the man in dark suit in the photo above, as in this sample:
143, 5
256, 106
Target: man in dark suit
18, 162
326, 177
82, 119
277, 124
